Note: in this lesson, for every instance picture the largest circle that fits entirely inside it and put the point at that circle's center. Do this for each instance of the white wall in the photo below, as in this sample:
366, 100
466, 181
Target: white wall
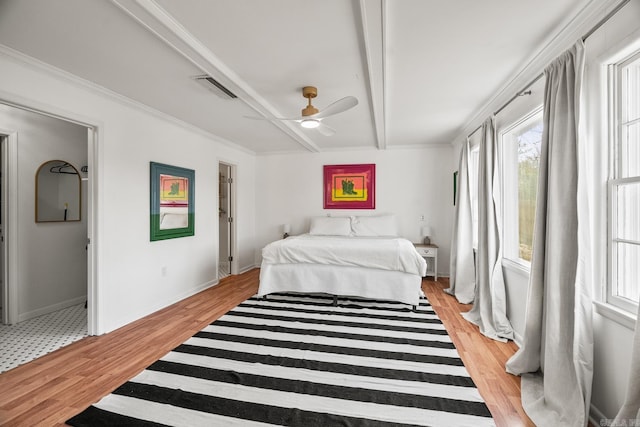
52, 260
129, 266
409, 183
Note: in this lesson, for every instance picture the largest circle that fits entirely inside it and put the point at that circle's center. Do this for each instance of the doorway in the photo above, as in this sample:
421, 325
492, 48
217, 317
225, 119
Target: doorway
225, 220
59, 250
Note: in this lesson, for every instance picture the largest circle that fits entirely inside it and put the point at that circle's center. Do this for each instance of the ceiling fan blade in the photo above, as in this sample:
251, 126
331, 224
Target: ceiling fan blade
337, 107
271, 119
325, 130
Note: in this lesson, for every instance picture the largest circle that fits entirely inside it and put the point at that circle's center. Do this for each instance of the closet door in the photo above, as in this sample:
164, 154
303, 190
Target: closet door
225, 219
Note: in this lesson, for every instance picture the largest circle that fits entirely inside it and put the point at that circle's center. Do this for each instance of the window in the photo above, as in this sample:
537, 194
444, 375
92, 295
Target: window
624, 185
520, 159
474, 155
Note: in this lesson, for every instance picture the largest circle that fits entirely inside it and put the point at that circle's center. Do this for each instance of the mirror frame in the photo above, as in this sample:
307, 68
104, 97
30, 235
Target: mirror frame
77, 173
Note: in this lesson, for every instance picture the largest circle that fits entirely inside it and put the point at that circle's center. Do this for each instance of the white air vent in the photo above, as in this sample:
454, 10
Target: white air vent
215, 86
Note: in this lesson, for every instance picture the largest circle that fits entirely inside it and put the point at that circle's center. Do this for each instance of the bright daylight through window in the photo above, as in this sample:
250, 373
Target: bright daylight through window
474, 156
624, 185
520, 159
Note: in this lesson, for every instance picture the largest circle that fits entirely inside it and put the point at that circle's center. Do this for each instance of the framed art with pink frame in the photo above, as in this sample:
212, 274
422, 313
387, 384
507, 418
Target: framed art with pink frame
350, 186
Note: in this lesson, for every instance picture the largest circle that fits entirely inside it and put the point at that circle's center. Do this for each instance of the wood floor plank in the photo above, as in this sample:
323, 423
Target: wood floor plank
57, 386
484, 358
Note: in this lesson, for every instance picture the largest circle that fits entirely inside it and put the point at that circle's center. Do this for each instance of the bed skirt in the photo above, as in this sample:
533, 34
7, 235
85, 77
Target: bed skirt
341, 280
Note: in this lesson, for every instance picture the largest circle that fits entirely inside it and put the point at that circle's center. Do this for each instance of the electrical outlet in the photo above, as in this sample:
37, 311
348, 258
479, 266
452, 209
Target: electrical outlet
421, 217
163, 271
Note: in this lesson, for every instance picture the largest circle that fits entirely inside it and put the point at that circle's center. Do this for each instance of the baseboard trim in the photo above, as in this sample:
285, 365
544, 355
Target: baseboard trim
51, 308
188, 293
247, 268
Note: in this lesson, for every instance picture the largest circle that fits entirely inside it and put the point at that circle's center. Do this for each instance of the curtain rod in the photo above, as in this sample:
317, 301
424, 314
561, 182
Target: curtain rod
600, 23
520, 93
595, 28
474, 131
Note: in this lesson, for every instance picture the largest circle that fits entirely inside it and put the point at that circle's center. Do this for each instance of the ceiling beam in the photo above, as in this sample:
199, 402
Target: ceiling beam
373, 18
155, 19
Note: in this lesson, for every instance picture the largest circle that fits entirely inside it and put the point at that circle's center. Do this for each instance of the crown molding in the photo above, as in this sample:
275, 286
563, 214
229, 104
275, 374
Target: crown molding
423, 146
550, 48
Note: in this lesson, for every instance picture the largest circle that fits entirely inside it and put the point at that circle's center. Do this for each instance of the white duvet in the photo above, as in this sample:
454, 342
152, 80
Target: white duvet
384, 253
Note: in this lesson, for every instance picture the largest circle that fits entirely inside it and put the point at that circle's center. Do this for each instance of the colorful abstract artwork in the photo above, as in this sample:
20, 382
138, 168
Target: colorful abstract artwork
349, 186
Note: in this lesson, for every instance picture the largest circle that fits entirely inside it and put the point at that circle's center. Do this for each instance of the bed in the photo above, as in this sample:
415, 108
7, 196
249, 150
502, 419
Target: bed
345, 256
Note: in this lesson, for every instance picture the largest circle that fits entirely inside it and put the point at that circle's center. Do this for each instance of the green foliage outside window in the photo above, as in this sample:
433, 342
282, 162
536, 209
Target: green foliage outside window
528, 162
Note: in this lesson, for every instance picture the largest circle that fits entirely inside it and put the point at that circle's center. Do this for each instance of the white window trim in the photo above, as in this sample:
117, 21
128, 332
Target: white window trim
519, 266
611, 298
616, 314
597, 79
613, 306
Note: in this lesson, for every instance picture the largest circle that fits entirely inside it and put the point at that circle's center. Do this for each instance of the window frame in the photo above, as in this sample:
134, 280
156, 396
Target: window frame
617, 122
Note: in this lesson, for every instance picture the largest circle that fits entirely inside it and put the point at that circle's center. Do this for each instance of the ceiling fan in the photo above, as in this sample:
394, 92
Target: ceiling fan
311, 117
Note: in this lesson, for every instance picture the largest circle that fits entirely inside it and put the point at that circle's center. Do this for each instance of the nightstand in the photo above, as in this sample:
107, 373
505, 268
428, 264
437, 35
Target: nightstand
430, 254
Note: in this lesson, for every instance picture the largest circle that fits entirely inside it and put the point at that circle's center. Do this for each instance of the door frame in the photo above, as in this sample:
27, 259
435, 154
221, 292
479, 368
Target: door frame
94, 136
233, 214
9, 147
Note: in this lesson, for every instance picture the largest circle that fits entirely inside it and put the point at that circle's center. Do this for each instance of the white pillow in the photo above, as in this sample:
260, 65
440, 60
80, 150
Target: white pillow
330, 226
367, 226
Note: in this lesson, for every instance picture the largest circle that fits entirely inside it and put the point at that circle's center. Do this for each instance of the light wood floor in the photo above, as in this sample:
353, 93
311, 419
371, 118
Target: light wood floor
484, 358
53, 388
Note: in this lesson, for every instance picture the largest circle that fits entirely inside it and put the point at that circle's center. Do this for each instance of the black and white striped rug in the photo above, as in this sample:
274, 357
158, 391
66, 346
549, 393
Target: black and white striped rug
300, 360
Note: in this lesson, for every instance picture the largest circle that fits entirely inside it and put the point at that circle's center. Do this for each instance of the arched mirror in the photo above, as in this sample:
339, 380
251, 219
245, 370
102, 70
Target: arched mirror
57, 192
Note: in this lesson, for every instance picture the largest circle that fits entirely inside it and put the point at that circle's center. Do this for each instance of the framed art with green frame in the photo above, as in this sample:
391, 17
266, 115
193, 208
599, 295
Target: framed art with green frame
172, 201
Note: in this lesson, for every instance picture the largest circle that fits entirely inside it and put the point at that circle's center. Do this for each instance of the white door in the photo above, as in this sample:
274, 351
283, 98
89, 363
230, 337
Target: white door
225, 220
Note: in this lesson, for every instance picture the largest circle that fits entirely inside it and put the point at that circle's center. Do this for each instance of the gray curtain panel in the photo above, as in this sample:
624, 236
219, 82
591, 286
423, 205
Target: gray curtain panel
462, 276
631, 408
489, 309
556, 358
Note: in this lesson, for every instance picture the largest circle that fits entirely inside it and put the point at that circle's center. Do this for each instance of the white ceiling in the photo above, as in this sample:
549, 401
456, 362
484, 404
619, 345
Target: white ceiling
419, 68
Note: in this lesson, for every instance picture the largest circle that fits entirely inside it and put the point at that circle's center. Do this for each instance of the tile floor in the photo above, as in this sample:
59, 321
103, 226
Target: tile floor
28, 340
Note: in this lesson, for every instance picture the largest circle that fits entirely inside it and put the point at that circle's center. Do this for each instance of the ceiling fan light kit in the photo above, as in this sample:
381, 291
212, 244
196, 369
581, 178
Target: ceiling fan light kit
310, 123
311, 117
